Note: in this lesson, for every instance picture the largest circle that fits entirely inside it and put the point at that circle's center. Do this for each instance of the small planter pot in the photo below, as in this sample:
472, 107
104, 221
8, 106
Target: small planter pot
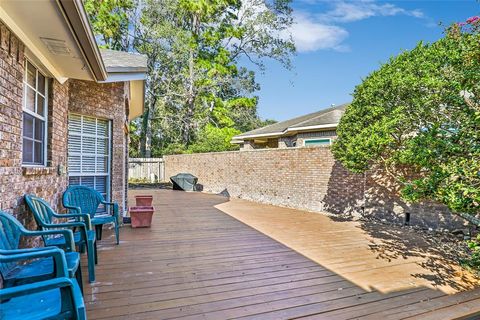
144, 201
141, 217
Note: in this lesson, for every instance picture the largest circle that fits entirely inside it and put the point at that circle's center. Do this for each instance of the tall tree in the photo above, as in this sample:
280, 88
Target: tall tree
110, 21
418, 118
195, 48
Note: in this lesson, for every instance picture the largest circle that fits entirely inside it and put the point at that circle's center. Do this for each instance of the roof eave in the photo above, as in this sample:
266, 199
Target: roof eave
308, 128
261, 135
285, 132
77, 19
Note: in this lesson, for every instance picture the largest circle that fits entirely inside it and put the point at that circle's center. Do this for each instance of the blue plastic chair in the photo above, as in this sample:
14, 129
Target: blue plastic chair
33, 270
57, 298
46, 220
83, 199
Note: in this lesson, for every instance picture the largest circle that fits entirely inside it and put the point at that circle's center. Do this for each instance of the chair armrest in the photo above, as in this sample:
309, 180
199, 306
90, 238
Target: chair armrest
77, 209
83, 227
66, 225
57, 254
85, 216
114, 205
27, 250
26, 289
68, 235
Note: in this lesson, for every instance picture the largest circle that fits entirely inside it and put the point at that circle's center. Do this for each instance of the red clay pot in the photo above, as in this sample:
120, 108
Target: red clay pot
141, 216
144, 201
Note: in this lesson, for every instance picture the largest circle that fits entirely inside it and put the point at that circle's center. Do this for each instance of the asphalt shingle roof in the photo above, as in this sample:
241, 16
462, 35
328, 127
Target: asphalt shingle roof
120, 61
326, 116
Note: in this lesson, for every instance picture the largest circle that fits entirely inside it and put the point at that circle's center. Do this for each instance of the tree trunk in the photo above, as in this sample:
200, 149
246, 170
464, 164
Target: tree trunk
148, 136
188, 124
190, 103
146, 148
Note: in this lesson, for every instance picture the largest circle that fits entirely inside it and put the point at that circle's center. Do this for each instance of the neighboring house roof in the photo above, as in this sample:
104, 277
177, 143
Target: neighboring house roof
326, 118
119, 61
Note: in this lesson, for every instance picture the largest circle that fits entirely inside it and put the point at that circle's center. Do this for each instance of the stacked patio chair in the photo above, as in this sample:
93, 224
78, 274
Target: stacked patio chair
34, 270
47, 219
57, 298
83, 199
38, 283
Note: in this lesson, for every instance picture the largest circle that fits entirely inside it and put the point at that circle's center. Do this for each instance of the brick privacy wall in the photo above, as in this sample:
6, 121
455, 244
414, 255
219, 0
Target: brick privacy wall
307, 179
304, 178
106, 101
15, 181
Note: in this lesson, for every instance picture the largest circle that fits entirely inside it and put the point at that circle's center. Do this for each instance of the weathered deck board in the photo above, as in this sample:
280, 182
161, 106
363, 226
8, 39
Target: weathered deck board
198, 263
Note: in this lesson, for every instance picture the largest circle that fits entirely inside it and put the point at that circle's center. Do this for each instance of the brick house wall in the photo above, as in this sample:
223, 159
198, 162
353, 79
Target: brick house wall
302, 136
295, 140
304, 178
16, 180
101, 100
106, 101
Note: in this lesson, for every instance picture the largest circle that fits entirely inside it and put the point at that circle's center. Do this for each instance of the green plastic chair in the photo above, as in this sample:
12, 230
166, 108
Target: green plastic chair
57, 298
83, 199
36, 268
46, 220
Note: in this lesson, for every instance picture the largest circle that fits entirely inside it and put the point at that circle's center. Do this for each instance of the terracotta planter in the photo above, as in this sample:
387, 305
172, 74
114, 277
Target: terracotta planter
141, 216
144, 201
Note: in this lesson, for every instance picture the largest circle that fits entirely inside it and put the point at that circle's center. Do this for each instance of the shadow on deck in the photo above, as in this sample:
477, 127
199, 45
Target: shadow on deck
198, 263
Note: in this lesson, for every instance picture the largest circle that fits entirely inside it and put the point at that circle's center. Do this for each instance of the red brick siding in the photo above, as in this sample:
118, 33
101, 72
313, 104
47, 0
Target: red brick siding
306, 178
106, 101
15, 181
100, 100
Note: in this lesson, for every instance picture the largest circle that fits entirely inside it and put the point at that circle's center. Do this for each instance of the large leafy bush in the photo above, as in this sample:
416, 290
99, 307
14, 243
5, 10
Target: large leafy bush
418, 119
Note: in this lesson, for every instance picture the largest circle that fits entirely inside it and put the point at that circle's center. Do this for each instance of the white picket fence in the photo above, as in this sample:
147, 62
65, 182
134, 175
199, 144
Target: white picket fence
146, 169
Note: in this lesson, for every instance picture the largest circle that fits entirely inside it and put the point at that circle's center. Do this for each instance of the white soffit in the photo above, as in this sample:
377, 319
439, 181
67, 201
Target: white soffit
137, 99
42, 28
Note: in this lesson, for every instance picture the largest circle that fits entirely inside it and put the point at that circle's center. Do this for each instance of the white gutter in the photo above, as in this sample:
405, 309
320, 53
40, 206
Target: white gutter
260, 135
320, 126
123, 77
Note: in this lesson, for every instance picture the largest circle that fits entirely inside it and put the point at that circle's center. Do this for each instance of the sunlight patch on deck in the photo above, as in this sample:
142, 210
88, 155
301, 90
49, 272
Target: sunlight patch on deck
372, 259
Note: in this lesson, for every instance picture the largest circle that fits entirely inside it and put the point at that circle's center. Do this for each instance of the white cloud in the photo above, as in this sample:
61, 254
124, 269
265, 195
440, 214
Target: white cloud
322, 31
310, 35
347, 11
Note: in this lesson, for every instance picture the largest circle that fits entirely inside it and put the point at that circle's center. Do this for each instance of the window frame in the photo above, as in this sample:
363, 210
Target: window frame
316, 145
35, 115
96, 136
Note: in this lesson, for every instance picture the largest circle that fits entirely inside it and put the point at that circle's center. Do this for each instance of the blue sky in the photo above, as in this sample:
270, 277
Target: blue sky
341, 42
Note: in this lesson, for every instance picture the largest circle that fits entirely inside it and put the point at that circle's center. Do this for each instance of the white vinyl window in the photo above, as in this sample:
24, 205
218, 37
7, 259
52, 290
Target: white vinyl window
317, 142
89, 152
35, 88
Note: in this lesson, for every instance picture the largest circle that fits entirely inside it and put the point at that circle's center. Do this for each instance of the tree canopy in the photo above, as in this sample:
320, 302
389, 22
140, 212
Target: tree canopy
418, 119
199, 89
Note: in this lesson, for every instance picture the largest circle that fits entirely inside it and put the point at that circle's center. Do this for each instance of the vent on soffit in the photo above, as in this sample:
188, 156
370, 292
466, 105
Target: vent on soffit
55, 46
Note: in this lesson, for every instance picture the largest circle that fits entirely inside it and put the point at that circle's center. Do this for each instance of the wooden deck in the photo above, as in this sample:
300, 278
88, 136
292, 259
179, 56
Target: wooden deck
196, 262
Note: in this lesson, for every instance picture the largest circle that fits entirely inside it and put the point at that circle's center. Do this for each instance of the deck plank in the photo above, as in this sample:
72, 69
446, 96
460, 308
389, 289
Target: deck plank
197, 262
